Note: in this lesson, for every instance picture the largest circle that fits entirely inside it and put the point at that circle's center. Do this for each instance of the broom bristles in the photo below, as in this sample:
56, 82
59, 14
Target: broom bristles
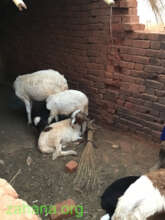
86, 177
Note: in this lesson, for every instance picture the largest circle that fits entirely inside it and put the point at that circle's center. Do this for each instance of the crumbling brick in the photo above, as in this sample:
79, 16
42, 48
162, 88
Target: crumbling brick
63, 210
71, 166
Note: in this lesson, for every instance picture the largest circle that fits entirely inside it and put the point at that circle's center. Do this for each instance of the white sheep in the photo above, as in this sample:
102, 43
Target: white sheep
144, 198
38, 86
66, 102
56, 137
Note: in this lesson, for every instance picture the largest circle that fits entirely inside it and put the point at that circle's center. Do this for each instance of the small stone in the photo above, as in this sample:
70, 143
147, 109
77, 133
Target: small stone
2, 162
115, 146
28, 160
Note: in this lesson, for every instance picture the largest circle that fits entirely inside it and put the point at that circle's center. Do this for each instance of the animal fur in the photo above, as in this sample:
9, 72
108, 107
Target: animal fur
56, 137
110, 196
38, 86
142, 199
66, 102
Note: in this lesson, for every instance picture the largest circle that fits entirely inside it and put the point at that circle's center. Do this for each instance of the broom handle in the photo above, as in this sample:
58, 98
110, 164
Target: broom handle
90, 135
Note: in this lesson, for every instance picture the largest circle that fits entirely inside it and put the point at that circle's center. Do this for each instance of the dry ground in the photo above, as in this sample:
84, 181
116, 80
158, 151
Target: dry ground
45, 181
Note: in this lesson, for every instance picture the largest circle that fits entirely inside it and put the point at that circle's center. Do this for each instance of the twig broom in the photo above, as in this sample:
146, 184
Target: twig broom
86, 177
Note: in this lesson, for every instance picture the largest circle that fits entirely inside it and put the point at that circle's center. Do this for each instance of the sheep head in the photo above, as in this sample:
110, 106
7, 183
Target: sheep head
78, 117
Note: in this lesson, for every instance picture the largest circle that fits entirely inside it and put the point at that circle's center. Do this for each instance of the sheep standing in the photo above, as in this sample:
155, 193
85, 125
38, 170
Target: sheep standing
38, 86
66, 102
55, 137
142, 199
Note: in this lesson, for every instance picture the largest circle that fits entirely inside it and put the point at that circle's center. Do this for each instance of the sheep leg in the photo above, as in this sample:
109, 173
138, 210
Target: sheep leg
57, 152
79, 139
51, 117
63, 153
69, 152
28, 106
56, 118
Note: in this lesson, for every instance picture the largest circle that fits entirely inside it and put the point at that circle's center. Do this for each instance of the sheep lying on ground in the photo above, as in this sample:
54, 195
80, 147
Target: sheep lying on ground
38, 86
144, 198
56, 137
66, 102
12, 208
112, 193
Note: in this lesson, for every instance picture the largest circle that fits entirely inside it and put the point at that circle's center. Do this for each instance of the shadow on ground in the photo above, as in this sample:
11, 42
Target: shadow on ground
46, 182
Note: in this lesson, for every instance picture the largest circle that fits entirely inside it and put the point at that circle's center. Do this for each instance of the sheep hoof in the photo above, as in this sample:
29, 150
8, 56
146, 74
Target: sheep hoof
73, 152
54, 156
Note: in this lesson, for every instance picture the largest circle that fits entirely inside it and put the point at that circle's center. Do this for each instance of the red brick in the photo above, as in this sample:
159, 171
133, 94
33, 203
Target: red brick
109, 74
113, 83
127, 42
152, 53
154, 84
141, 43
116, 19
132, 11
149, 97
128, 4
128, 105
139, 66
63, 210
160, 93
117, 27
137, 51
161, 78
120, 102
152, 36
133, 27
140, 59
71, 166
130, 19
155, 45
128, 65
155, 69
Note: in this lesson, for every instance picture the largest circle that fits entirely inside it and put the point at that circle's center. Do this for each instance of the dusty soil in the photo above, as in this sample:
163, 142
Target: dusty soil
45, 182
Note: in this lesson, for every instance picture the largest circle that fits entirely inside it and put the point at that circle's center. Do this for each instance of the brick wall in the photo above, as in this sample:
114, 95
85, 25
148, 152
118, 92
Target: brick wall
135, 74
123, 79
140, 100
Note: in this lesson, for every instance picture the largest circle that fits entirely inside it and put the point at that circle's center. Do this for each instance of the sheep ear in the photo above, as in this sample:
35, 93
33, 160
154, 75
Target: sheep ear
73, 121
75, 113
73, 116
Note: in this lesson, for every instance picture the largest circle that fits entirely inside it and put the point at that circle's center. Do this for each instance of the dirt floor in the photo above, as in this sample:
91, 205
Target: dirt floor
45, 182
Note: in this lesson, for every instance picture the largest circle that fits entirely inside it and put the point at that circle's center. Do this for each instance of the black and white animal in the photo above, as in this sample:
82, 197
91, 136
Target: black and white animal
38, 86
144, 198
110, 196
58, 135
39, 112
